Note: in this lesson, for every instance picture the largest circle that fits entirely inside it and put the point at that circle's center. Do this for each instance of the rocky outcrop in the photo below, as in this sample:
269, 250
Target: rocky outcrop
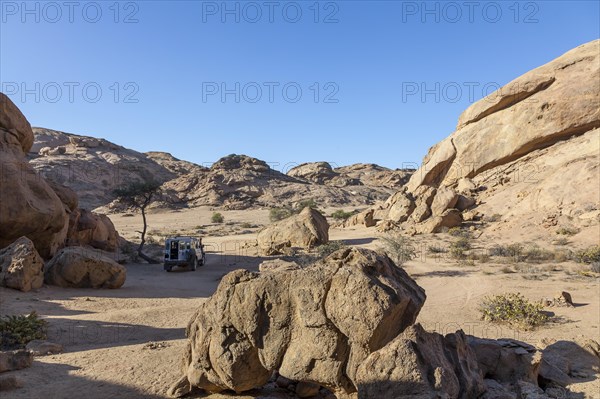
365, 218
544, 106
307, 230
94, 167
421, 365
94, 230
28, 205
506, 360
79, 267
527, 152
316, 172
21, 267
316, 324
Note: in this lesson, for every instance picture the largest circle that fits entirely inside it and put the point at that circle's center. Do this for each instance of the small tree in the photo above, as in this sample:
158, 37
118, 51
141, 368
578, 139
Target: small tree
138, 195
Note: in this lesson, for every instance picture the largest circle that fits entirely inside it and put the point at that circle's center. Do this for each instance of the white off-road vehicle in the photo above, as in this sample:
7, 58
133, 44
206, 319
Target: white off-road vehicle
185, 252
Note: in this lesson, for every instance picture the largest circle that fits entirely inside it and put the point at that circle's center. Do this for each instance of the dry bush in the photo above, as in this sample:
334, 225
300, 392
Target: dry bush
398, 248
513, 309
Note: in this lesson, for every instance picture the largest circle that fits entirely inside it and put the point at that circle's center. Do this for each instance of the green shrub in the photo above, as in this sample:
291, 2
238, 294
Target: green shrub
246, 225
458, 232
567, 231
536, 254
17, 331
458, 248
277, 214
398, 248
308, 203
217, 218
342, 215
588, 255
514, 251
513, 309
329, 248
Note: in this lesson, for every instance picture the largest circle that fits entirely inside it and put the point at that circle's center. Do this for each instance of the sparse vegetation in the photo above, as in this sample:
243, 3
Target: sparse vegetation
308, 203
277, 214
398, 248
496, 217
329, 248
342, 215
588, 255
531, 254
535, 254
17, 331
138, 195
595, 267
513, 309
514, 251
458, 248
567, 231
458, 232
562, 241
217, 218
434, 249
246, 225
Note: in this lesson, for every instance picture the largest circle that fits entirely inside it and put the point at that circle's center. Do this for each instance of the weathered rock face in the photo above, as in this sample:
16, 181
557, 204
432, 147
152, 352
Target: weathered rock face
316, 324
548, 104
79, 267
365, 218
533, 144
506, 360
21, 266
94, 167
400, 206
421, 365
306, 230
89, 228
316, 172
28, 205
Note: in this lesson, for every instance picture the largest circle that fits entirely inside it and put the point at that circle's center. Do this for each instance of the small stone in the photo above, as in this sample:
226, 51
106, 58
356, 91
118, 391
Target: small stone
10, 382
306, 389
283, 382
15, 360
42, 348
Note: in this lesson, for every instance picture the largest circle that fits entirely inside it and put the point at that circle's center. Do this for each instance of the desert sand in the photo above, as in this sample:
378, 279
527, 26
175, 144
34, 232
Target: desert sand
128, 342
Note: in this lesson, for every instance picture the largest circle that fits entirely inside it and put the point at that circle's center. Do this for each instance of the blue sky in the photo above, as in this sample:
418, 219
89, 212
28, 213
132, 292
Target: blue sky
380, 81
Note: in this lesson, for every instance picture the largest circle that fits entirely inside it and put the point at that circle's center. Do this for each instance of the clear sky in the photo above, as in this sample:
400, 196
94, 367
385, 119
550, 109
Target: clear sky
380, 81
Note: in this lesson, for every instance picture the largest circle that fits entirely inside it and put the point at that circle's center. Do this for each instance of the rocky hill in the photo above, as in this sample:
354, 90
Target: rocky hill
526, 156
94, 167
41, 209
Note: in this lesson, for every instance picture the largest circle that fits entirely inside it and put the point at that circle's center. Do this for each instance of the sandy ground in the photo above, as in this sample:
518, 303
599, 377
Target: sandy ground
106, 333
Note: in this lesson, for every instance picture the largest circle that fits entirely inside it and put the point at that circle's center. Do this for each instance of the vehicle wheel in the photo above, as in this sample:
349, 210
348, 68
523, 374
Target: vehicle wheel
202, 261
168, 268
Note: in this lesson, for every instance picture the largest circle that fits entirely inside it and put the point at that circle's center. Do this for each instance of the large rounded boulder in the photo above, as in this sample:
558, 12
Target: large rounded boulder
80, 267
307, 230
21, 266
314, 324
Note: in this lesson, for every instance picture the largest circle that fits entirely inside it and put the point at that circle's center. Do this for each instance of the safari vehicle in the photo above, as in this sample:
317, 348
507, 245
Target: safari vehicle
184, 251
